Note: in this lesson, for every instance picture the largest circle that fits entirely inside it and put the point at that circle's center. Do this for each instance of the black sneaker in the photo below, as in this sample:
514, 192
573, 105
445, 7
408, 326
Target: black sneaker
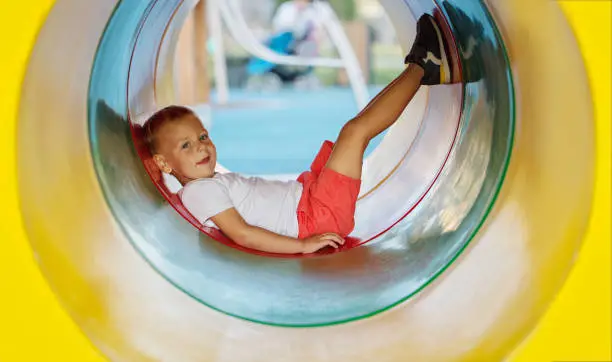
430, 51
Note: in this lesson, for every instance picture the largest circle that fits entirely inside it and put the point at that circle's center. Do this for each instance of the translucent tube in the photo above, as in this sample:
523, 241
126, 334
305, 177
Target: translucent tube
97, 206
457, 125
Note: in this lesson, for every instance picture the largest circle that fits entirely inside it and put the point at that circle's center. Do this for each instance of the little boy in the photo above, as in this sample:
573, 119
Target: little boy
308, 214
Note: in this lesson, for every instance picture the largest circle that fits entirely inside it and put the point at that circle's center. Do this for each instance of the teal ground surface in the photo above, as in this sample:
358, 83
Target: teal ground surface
281, 132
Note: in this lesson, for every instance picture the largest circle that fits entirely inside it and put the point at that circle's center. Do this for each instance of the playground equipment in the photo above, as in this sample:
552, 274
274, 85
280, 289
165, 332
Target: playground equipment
480, 308
230, 13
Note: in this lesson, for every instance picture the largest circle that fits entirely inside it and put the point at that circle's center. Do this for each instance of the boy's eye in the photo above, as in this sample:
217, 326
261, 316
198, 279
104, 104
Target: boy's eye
185, 145
203, 137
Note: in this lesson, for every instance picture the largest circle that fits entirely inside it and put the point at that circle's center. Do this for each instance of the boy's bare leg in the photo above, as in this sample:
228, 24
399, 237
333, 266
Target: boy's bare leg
428, 64
377, 116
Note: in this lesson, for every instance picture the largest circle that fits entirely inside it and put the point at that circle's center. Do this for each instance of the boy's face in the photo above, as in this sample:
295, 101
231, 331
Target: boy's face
185, 150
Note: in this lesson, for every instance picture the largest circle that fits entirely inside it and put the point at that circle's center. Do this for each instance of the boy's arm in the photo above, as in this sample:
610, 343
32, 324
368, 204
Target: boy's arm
234, 226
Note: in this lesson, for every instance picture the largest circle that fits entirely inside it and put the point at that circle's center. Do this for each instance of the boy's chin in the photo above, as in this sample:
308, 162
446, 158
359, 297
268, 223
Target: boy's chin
190, 176
204, 175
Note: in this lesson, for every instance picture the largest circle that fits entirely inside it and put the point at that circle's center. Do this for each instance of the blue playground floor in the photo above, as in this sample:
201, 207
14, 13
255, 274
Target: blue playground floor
281, 132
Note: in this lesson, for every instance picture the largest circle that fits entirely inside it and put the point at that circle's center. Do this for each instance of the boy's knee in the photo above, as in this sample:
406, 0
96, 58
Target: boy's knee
354, 130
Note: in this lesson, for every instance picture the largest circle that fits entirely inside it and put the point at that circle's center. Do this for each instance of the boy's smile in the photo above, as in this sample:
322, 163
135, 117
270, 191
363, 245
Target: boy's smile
185, 150
204, 161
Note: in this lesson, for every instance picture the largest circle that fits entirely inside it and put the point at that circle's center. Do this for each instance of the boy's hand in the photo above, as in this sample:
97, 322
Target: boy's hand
318, 242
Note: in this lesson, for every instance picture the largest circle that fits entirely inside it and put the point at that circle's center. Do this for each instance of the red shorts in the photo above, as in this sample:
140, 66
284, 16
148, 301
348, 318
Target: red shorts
328, 200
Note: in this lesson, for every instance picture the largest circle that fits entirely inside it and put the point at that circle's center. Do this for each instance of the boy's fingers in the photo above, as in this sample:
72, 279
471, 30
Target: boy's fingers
335, 237
327, 242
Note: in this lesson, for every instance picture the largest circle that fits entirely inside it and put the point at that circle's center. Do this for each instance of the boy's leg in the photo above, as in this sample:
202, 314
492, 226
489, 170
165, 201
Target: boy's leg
379, 114
429, 64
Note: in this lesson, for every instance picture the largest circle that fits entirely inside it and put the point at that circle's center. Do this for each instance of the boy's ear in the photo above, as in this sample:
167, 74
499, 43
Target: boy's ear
161, 163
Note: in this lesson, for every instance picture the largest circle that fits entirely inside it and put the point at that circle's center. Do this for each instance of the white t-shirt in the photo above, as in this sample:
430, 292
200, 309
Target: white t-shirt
269, 204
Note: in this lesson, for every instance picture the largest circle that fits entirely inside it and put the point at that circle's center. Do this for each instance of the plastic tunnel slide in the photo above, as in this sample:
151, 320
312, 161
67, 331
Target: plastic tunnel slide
463, 250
